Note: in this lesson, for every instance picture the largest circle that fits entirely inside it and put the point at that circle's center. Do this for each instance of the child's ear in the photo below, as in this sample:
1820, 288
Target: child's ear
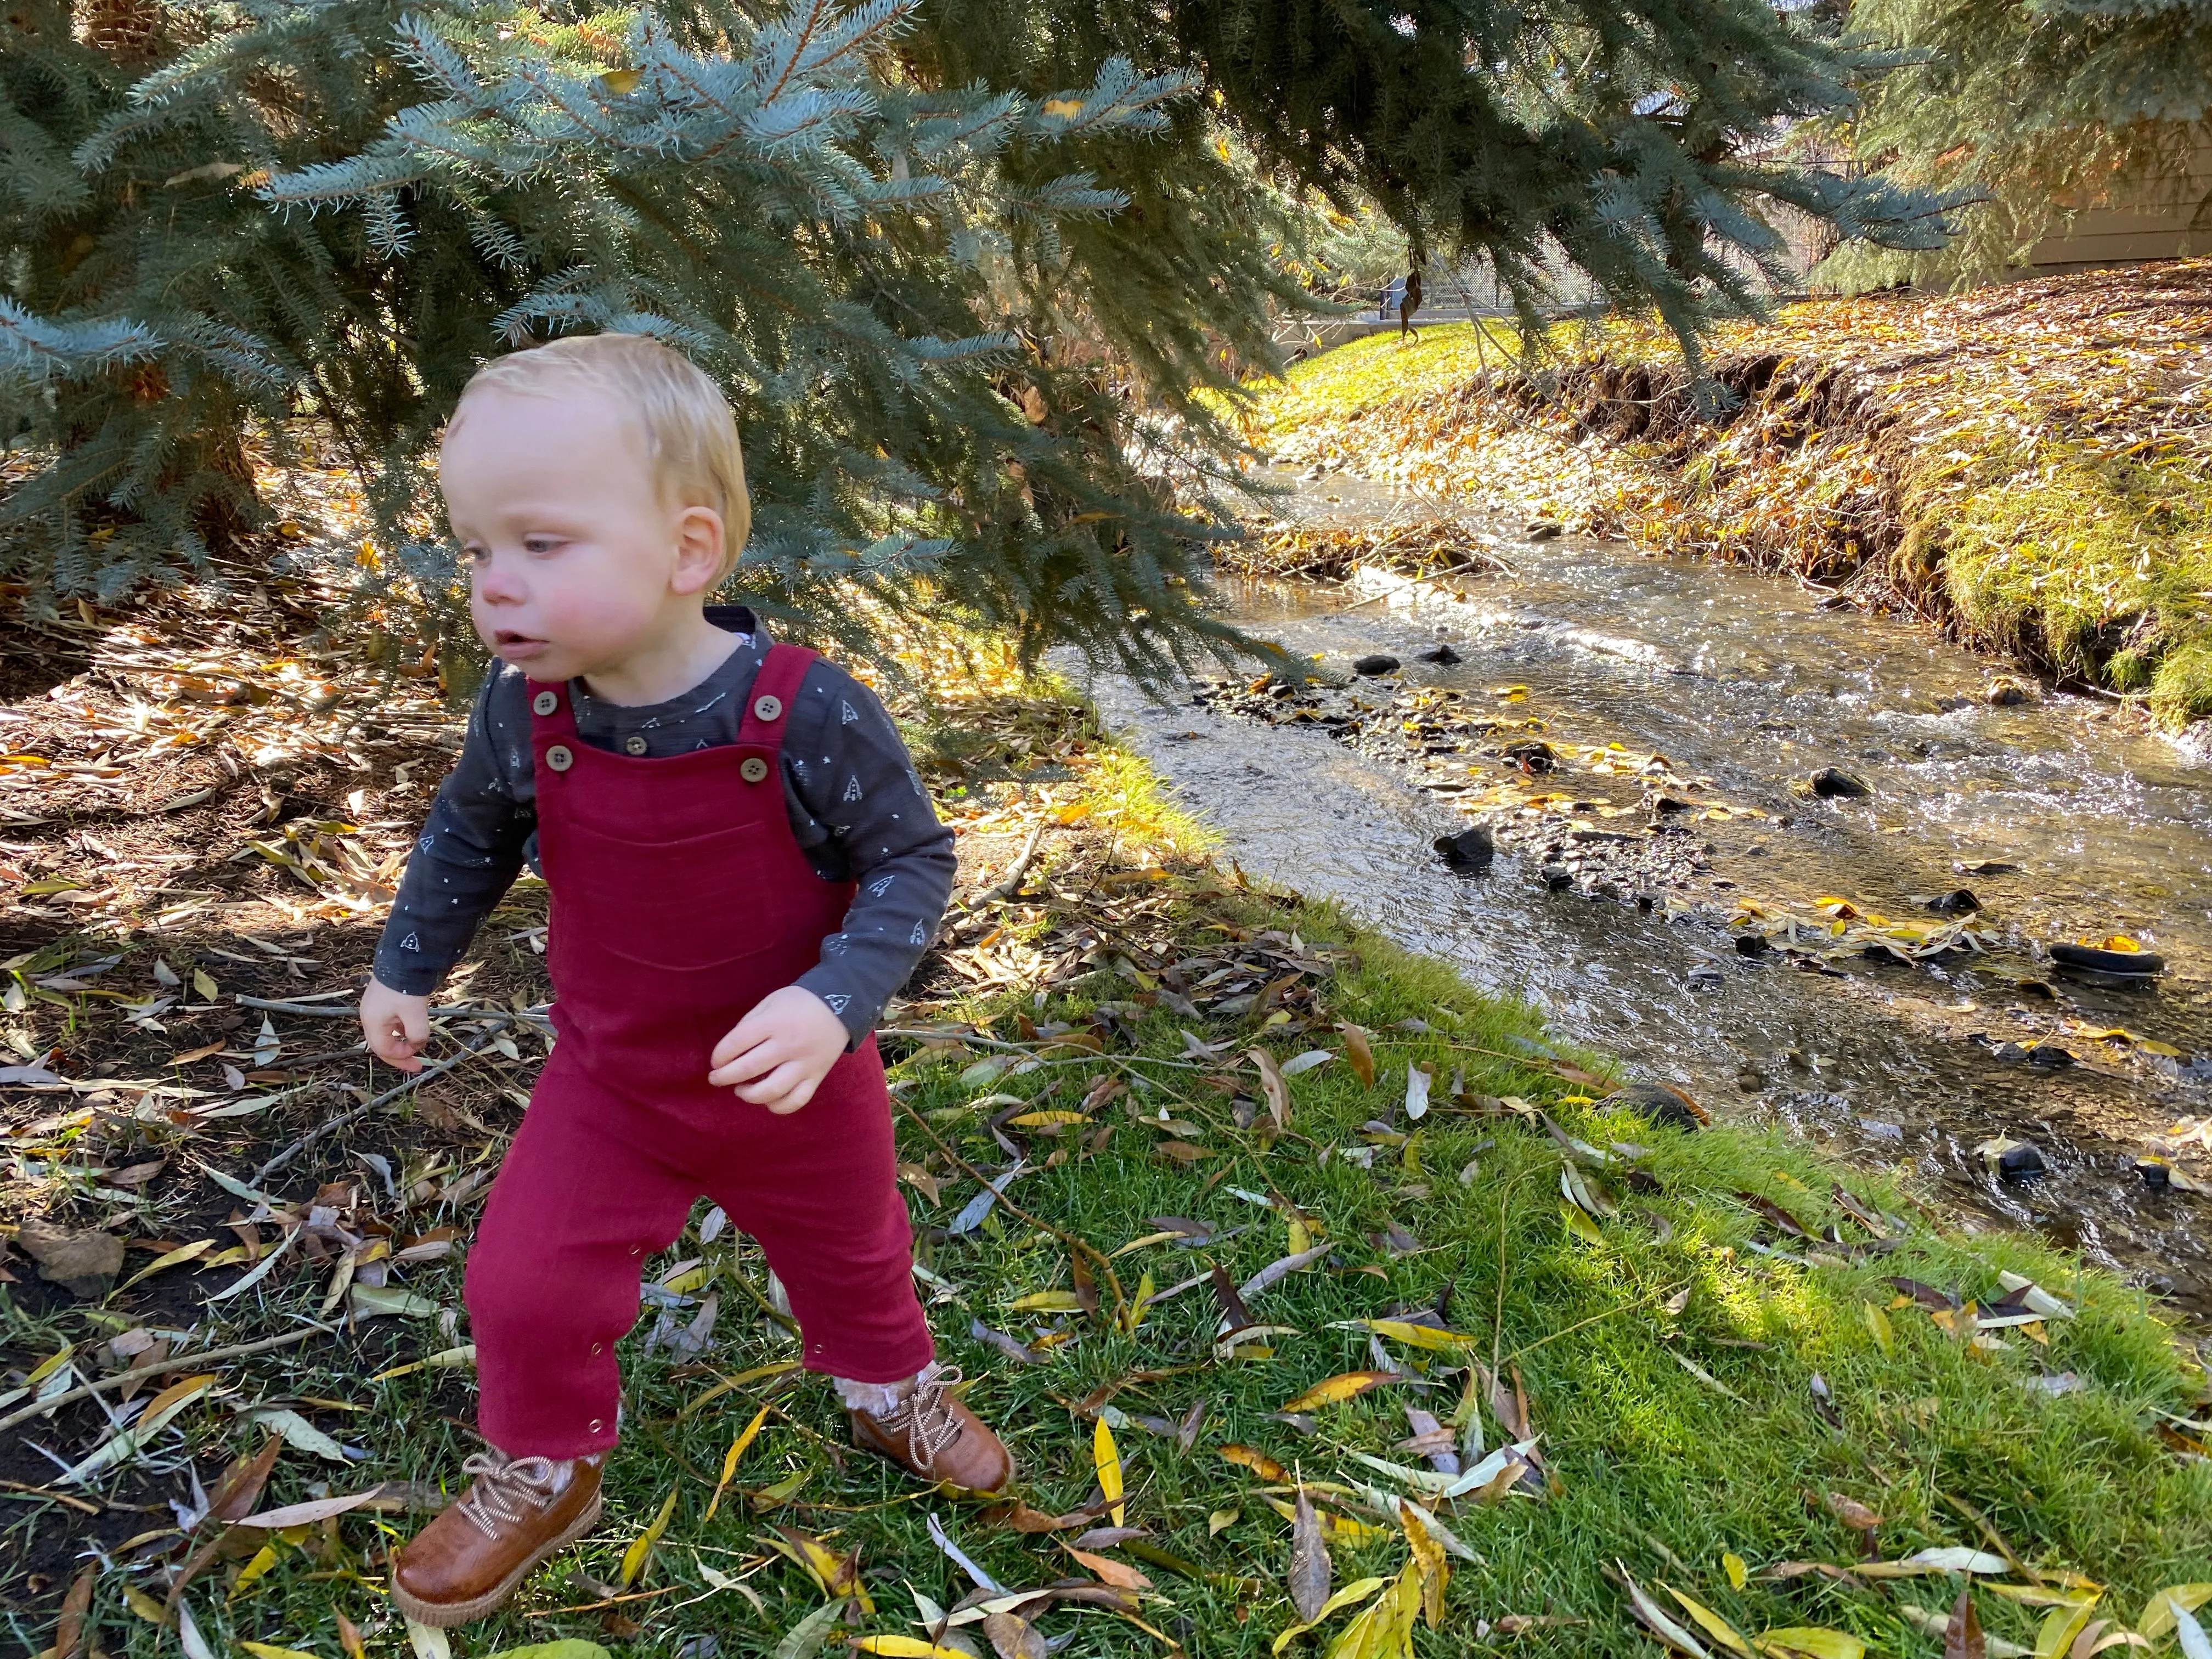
698, 549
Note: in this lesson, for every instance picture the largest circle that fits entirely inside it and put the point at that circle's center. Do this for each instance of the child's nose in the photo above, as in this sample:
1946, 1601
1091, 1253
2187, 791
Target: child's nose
497, 583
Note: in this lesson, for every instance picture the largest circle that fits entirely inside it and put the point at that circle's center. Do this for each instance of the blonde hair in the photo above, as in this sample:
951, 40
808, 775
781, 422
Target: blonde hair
690, 435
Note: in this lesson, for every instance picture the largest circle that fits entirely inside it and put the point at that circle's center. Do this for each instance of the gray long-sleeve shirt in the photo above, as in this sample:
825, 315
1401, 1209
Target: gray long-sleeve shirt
857, 807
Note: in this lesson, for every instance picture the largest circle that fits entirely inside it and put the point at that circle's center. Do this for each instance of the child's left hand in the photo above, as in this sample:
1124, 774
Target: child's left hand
779, 1054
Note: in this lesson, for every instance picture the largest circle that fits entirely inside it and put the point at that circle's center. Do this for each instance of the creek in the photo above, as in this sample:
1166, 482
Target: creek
1751, 684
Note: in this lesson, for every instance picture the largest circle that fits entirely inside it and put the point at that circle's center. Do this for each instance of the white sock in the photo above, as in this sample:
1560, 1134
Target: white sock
877, 1399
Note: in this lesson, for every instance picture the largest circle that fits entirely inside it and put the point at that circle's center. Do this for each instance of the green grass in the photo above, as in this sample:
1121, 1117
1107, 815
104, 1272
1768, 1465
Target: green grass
1654, 1468
1365, 375
2088, 548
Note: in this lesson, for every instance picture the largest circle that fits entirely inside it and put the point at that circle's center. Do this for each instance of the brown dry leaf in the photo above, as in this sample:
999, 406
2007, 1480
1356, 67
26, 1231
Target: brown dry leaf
1963, 1640
1349, 1385
1120, 1574
1012, 1637
82, 1260
68, 1632
1309, 1569
239, 1491
1272, 1084
1358, 1052
1852, 1513
350, 1637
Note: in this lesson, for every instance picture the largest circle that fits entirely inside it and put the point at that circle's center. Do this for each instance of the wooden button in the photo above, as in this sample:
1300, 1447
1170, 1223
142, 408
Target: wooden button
546, 702
752, 768
559, 758
768, 708
635, 743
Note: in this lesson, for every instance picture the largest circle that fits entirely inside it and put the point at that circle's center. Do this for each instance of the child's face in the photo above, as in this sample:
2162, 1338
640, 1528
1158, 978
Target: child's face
576, 563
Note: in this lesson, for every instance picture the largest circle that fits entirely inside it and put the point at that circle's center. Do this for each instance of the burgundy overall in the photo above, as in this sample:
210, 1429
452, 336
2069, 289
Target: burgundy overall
680, 899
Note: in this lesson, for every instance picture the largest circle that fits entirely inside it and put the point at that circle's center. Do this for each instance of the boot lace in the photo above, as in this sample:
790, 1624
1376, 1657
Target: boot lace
507, 1490
926, 1417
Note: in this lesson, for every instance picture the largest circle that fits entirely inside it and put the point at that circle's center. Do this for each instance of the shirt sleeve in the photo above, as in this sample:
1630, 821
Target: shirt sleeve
467, 856
848, 771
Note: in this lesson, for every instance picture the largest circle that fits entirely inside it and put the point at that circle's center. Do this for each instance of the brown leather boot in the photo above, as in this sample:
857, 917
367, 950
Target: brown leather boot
931, 1434
517, 1512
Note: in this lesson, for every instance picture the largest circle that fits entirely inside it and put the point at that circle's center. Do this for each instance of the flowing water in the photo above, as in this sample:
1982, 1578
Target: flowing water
1754, 683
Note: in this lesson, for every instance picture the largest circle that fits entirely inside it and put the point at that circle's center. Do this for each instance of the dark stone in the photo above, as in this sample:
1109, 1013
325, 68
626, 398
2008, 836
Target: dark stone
2003, 694
1532, 756
1377, 664
1703, 979
2009, 1051
2021, 1162
1830, 782
1442, 653
1960, 901
1646, 901
1556, 877
1656, 1103
2055, 1058
1471, 849
1543, 529
1752, 945
2156, 1173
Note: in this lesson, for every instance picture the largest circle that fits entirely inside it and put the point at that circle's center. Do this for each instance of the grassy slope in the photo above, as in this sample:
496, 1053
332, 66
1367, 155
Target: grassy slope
2047, 491
1654, 1466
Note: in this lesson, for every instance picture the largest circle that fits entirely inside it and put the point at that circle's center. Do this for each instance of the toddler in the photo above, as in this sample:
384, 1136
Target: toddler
743, 866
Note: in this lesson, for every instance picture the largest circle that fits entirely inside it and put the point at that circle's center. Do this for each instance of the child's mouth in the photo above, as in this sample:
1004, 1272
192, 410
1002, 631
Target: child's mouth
511, 647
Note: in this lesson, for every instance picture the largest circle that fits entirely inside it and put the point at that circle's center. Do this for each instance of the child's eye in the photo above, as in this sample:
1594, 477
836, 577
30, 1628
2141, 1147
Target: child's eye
540, 544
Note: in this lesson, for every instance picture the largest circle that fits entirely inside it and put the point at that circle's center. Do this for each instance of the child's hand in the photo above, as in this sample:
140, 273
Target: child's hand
779, 1053
397, 1025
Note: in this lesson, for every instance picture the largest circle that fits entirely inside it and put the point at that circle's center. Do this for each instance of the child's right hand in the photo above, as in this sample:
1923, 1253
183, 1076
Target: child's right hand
397, 1025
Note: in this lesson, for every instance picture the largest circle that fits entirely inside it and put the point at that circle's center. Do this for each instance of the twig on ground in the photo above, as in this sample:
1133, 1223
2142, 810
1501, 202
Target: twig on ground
459, 1011
174, 1363
1011, 884
468, 1051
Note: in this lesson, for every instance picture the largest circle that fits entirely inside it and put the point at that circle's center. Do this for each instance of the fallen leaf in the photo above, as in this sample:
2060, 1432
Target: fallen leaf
1350, 1385
1962, 1640
1811, 1642
1654, 1618
1273, 1086
1358, 1051
82, 1260
1309, 1567
1106, 1458
746, 1437
1012, 1637
810, 1632
1258, 1461
1120, 1574
1715, 1626
1220, 1520
1358, 1590
1738, 1574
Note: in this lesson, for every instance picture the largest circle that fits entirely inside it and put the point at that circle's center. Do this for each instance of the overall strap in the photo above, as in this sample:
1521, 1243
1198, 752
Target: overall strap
550, 710
768, 705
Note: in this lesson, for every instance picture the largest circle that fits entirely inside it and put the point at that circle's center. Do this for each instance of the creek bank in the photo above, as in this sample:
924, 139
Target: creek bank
2029, 468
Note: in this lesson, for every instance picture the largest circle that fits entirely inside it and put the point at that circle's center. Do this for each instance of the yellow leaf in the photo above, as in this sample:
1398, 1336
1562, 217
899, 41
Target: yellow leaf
684, 1283
1878, 1322
1108, 1460
1301, 1238
622, 83
51, 1363
1350, 1385
1715, 1626
2060, 1626
267, 1650
1812, 1641
1134, 1314
2119, 942
2157, 1621
905, 1647
746, 1437
143, 1604
1429, 1556
1048, 1302
203, 985
1358, 1590
1417, 1336
183, 1253
1064, 107
1581, 1226
176, 1393
1220, 1520
264, 1559
1258, 1461
2152, 1046
641, 1549
1738, 1574
1041, 1120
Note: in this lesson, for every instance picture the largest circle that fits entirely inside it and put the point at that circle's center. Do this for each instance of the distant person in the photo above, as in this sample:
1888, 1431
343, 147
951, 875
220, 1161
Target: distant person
1409, 301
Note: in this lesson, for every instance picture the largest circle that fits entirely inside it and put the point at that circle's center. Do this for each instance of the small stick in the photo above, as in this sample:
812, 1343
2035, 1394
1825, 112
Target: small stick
21, 1491
349, 1011
1120, 1298
174, 1363
468, 1051
1011, 884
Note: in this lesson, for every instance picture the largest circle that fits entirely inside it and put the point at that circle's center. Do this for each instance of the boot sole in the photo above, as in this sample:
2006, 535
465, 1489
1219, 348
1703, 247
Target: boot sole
444, 1615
